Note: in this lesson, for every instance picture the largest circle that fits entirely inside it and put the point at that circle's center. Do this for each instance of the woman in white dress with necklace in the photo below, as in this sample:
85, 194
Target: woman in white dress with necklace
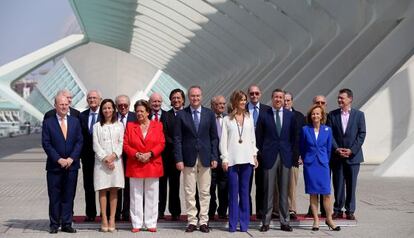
238, 152
108, 136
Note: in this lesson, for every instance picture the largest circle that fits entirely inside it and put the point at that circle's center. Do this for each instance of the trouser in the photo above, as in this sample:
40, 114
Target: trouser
61, 186
144, 202
90, 200
277, 176
201, 177
344, 177
219, 183
172, 178
239, 178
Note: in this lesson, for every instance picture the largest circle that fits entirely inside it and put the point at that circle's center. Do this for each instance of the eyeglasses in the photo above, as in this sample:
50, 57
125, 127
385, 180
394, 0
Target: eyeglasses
254, 93
123, 105
320, 103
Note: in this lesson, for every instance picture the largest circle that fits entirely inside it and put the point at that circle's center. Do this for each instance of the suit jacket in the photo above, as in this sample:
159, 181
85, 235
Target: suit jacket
87, 150
72, 111
130, 117
168, 123
135, 142
316, 149
270, 144
57, 147
300, 122
354, 135
189, 143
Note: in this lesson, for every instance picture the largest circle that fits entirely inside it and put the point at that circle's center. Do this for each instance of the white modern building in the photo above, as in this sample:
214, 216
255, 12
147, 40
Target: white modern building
306, 47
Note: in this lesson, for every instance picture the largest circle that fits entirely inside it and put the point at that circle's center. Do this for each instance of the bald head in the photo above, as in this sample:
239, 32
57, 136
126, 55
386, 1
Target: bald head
155, 101
61, 105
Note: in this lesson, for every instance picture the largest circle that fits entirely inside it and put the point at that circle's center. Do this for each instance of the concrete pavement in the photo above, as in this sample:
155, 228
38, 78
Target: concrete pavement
385, 206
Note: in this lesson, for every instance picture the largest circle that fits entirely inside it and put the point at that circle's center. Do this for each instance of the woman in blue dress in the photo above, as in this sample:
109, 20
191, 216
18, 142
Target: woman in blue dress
315, 148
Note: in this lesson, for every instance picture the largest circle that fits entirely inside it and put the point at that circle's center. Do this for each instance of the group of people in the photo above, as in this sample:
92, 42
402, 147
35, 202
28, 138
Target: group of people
130, 157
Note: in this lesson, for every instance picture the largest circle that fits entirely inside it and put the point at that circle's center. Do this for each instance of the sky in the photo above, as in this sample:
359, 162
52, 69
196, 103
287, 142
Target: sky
28, 25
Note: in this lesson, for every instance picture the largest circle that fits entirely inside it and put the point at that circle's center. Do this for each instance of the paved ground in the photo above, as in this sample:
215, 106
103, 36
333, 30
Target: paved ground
385, 205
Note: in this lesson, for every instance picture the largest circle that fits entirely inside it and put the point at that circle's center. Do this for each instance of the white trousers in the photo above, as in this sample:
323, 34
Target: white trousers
144, 191
197, 176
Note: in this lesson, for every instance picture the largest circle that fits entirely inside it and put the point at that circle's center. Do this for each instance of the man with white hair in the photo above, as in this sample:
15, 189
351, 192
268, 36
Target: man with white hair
87, 119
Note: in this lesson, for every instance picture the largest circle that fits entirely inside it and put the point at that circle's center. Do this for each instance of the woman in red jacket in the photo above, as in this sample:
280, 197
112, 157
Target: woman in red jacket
143, 143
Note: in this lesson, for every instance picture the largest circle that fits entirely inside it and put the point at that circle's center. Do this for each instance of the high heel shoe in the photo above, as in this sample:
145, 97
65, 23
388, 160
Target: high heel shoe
111, 229
315, 228
104, 229
336, 228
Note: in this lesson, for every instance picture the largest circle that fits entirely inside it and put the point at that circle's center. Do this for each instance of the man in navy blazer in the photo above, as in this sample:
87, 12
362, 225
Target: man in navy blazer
124, 116
62, 141
87, 119
348, 128
275, 139
195, 149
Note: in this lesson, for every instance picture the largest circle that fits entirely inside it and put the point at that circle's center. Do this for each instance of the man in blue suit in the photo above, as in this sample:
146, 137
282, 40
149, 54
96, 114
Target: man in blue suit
195, 149
87, 119
348, 128
62, 141
275, 139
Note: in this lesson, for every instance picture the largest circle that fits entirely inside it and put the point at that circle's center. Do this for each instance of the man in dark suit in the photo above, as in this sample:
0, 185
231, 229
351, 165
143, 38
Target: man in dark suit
195, 149
124, 116
171, 173
87, 119
276, 138
218, 176
348, 129
62, 141
294, 171
255, 109
72, 111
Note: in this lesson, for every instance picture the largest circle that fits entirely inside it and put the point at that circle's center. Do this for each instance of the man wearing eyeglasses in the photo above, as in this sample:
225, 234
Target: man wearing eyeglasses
255, 109
124, 116
87, 119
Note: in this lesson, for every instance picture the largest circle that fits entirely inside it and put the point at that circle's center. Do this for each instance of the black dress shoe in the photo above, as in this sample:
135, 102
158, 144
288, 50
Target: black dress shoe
264, 228
191, 228
337, 215
350, 216
68, 229
53, 230
286, 228
204, 228
89, 219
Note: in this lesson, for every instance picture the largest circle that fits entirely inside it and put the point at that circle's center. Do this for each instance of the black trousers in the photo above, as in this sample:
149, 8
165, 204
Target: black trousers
122, 207
258, 176
219, 183
172, 178
90, 202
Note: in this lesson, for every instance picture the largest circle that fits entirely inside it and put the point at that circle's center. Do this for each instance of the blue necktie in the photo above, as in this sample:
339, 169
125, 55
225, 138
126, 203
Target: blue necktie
255, 115
196, 119
92, 122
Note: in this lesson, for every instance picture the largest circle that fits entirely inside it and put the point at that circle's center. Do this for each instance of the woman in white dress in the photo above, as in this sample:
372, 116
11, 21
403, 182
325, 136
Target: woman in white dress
238, 152
108, 136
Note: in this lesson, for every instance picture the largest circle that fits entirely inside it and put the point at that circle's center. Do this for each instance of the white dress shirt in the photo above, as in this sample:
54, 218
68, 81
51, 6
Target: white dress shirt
231, 150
